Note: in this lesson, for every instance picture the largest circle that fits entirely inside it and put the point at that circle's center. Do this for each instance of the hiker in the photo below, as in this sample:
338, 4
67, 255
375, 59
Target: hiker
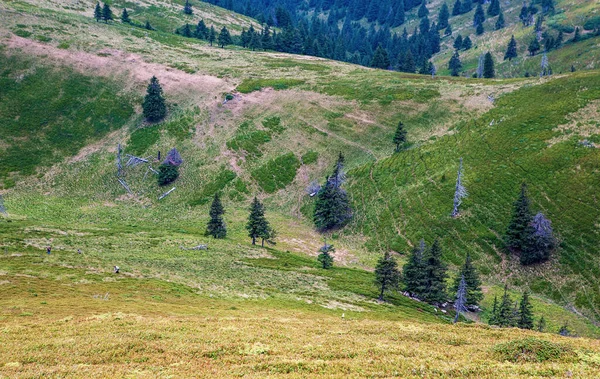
116, 268
48, 250
78, 251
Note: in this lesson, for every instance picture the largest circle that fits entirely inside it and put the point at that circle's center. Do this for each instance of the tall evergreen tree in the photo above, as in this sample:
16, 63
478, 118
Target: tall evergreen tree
380, 59
443, 17
387, 275
540, 241
525, 313
216, 225
504, 316
154, 105
467, 6
461, 298
423, 11
500, 23
212, 35
186, 31
479, 30
98, 12
125, 17
469, 273
467, 43
400, 136
187, 8
458, 42
479, 16
577, 35
107, 14
511, 49
225, 37
435, 275
413, 271
494, 8
519, 229
258, 226
201, 30
488, 66
332, 207
455, 64
457, 8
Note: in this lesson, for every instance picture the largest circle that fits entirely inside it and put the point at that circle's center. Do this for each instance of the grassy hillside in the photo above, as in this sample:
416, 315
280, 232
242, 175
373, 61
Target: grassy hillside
71, 90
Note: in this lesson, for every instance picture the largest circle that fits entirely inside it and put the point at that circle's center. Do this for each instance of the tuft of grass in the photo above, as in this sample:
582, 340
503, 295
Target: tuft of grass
252, 85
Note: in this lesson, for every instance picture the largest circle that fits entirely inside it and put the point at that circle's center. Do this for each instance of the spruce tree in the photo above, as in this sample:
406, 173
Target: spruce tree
187, 8
154, 102
400, 136
201, 30
534, 46
511, 49
147, 26
167, 174
525, 313
500, 23
107, 14
457, 8
258, 226
455, 64
387, 275
212, 35
469, 273
186, 31
479, 16
540, 241
461, 298
467, 43
325, 257
413, 271
541, 324
380, 59
458, 42
494, 8
494, 316
435, 275
467, 6
448, 31
98, 12
216, 225
125, 17
443, 17
577, 35
479, 30
423, 11
225, 38
488, 66
519, 229
332, 207
504, 316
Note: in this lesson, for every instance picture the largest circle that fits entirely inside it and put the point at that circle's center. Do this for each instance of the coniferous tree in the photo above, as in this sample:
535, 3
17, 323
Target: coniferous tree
467, 6
201, 30
187, 8
225, 37
494, 316
519, 229
186, 31
435, 275
469, 273
216, 225
577, 35
448, 31
534, 46
458, 42
479, 30
457, 8
400, 136
467, 43
167, 174
504, 316
380, 59
212, 35
461, 298
154, 105
500, 23
488, 66
125, 17
107, 14
443, 17
525, 313
258, 226
564, 330
511, 49
455, 64
332, 207
325, 257
423, 11
540, 241
541, 324
413, 272
479, 16
559, 39
494, 8
147, 26
387, 275
548, 6
98, 12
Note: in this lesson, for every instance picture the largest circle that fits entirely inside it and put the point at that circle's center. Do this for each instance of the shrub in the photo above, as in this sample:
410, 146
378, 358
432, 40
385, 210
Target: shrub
277, 173
533, 350
310, 157
167, 174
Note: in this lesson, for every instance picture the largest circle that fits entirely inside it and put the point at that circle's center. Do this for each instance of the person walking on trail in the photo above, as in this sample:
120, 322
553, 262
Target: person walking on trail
116, 268
48, 250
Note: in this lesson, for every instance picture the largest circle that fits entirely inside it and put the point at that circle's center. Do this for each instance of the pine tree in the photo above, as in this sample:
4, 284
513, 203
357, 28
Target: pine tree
504, 316
154, 102
458, 42
488, 66
500, 23
325, 257
187, 8
540, 241
511, 49
461, 298
258, 226
216, 225
332, 207
443, 17
212, 35
494, 8
455, 64
435, 275
479, 16
201, 30
525, 313
423, 11
413, 271
380, 59
98, 12
467, 6
107, 14
125, 17
225, 38
400, 136
519, 229
469, 272
387, 275
534, 46
457, 8
467, 43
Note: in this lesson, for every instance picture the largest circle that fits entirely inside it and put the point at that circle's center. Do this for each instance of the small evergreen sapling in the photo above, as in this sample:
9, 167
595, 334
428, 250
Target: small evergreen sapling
147, 26
387, 275
125, 17
216, 225
400, 136
541, 326
511, 49
167, 174
154, 105
258, 226
461, 299
325, 257
423, 11
458, 42
187, 8
98, 12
